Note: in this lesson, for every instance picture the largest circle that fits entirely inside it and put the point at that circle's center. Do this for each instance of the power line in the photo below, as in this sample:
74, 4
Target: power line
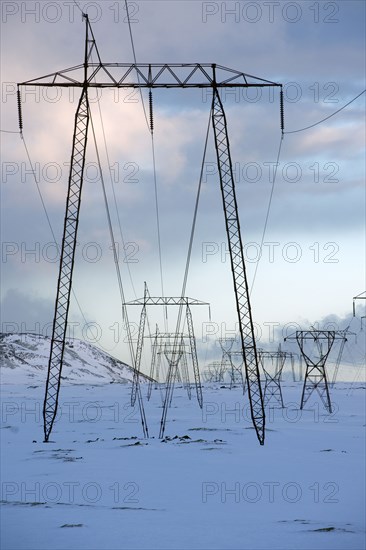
114, 195
195, 212
326, 118
120, 284
150, 127
268, 212
76, 4
157, 214
135, 61
47, 217
275, 173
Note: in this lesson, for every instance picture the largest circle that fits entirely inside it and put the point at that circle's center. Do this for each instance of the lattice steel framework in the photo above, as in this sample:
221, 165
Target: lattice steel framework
172, 353
343, 337
67, 263
192, 341
214, 372
316, 375
140, 339
228, 363
96, 74
272, 387
361, 296
160, 341
246, 328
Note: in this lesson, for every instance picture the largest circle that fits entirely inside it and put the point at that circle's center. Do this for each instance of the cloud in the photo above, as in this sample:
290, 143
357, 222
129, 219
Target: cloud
21, 312
324, 205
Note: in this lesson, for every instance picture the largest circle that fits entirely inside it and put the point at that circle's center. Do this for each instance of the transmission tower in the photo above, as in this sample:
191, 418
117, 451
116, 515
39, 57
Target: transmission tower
173, 353
361, 296
96, 74
159, 348
214, 372
343, 339
272, 387
316, 376
294, 377
229, 364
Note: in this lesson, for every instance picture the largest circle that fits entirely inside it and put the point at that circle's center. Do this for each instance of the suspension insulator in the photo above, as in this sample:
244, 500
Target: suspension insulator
151, 112
19, 99
282, 112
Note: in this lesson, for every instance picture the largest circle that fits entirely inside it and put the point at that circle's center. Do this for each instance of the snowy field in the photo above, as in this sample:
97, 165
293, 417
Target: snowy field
209, 484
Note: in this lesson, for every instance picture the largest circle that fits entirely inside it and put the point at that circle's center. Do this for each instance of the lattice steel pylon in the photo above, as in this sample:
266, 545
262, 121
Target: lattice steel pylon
228, 363
340, 353
67, 252
246, 328
316, 375
160, 339
361, 296
173, 355
272, 386
214, 372
66, 264
97, 74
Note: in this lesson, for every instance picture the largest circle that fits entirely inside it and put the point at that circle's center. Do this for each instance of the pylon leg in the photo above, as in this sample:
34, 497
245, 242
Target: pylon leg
137, 365
185, 375
238, 266
196, 371
66, 263
153, 363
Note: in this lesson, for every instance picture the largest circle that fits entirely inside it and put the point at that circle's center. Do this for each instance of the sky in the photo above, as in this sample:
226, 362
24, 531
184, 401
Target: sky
312, 261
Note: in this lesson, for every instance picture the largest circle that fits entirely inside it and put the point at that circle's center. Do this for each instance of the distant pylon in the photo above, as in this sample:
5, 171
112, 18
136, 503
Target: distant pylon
272, 388
235, 370
316, 375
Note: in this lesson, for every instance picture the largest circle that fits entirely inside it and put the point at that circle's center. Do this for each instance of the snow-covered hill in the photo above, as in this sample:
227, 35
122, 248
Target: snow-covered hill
24, 359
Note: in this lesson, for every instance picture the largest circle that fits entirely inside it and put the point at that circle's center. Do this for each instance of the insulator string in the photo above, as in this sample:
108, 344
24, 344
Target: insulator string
282, 112
20, 119
151, 112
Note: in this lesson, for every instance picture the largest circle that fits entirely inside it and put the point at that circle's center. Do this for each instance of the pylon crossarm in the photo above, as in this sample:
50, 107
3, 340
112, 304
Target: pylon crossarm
151, 75
166, 301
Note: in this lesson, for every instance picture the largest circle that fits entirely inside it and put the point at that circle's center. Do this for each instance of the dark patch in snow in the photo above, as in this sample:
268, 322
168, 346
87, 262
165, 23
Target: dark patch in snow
21, 503
302, 521
210, 429
330, 530
137, 508
134, 444
124, 438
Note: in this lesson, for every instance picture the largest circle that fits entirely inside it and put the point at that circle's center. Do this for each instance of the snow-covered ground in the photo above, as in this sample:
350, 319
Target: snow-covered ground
99, 485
